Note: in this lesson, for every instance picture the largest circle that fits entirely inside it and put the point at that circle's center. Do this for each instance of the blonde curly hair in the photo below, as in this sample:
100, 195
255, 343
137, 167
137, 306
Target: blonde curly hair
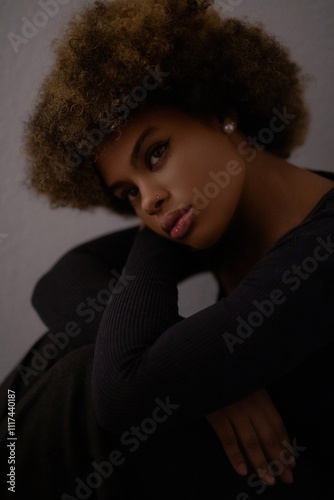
116, 56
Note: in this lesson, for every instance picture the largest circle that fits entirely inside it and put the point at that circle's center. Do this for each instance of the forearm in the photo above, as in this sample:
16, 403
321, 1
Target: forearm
146, 351
77, 287
75, 290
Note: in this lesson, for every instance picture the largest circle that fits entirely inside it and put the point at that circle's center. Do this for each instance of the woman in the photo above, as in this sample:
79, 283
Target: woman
165, 111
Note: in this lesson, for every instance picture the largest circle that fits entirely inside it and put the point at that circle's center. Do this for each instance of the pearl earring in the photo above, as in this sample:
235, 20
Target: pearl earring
229, 127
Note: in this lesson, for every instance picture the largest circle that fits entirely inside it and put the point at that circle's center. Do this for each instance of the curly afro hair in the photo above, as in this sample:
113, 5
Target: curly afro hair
116, 56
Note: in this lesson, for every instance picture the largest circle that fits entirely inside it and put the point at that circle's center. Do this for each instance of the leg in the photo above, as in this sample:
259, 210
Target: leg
62, 453
58, 438
36, 362
188, 462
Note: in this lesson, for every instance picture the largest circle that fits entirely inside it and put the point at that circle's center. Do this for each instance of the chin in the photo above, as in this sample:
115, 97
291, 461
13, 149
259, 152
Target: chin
203, 243
203, 240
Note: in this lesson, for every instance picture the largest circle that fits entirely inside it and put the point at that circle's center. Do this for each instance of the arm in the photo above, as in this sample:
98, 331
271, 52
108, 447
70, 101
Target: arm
71, 290
252, 432
146, 354
77, 287
82, 273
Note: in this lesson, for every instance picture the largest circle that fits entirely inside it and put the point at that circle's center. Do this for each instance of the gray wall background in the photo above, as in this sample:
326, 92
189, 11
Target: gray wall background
32, 235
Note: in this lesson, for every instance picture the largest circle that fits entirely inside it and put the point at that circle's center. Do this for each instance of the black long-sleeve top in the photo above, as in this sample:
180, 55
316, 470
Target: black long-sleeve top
275, 326
279, 315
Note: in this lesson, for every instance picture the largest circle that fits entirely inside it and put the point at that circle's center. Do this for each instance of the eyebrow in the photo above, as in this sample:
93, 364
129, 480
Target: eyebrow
140, 141
113, 187
134, 154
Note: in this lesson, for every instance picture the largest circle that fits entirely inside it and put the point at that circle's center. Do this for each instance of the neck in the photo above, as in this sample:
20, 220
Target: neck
276, 197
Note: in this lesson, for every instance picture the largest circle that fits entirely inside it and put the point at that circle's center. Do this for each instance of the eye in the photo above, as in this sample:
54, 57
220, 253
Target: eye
131, 194
154, 154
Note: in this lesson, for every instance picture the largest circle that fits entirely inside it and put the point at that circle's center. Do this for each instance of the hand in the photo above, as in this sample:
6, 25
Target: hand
253, 430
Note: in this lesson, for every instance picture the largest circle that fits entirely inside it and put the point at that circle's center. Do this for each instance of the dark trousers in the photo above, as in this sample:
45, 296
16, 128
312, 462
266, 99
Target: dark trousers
62, 453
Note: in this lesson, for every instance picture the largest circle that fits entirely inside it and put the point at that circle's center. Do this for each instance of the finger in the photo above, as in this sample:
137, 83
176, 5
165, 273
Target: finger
226, 435
286, 456
255, 453
276, 423
279, 459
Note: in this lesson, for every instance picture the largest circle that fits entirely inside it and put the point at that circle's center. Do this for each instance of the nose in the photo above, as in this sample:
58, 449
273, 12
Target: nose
153, 200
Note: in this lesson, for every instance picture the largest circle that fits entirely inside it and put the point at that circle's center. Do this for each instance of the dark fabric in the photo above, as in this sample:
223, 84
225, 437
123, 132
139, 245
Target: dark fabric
144, 350
59, 438
76, 288
68, 291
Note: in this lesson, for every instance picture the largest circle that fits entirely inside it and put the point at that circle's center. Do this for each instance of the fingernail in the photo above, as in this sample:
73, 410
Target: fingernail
242, 469
269, 479
266, 476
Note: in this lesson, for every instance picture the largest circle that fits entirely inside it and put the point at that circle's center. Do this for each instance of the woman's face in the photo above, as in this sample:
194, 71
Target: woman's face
183, 175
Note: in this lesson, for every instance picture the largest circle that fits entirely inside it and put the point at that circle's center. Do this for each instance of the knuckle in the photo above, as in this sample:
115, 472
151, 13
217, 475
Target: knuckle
270, 441
229, 442
252, 443
280, 428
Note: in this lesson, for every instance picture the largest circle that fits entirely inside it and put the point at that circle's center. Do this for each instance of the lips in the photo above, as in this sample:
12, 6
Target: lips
177, 223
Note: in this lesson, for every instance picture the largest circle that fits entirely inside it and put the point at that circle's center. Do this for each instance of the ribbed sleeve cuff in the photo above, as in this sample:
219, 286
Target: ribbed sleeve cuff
156, 254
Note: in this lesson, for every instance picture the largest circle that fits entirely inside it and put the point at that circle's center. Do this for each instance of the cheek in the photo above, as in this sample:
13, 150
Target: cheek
186, 172
217, 176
